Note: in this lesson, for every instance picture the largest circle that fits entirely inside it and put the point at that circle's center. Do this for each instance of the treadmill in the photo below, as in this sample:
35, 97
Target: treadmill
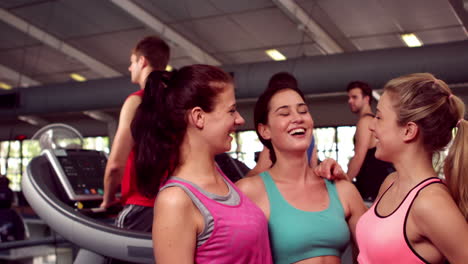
64, 187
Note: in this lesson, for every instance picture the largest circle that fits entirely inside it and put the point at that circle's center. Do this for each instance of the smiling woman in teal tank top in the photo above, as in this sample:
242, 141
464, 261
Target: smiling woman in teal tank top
309, 218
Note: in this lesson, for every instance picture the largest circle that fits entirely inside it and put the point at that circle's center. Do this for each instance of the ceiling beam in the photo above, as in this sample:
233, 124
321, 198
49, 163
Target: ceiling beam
167, 33
57, 44
19, 80
100, 116
309, 26
33, 120
110, 121
460, 8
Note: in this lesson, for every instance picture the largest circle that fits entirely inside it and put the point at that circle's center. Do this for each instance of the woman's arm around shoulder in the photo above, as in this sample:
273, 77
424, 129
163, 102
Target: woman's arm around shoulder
441, 222
330, 169
175, 227
352, 202
254, 189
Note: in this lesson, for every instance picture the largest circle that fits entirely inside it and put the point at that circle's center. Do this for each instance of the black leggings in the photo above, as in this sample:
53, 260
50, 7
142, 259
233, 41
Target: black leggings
133, 217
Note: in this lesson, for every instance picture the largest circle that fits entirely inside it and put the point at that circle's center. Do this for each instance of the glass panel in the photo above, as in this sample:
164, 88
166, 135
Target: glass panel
326, 144
235, 138
345, 145
12, 146
249, 144
4, 148
97, 143
31, 148
11, 149
14, 173
2, 166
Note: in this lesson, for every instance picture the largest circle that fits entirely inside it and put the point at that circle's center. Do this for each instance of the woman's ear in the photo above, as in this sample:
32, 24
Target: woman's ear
410, 132
264, 131
196, 117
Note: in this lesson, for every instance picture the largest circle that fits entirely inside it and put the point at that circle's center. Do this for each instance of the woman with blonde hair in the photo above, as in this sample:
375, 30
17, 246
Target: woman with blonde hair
416, 217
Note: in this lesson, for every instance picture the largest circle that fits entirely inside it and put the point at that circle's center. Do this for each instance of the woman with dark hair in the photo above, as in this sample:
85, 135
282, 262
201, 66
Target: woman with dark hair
310, 218
184, 120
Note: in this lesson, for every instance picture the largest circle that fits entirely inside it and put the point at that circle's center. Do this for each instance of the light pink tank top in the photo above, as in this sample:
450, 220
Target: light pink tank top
240, 233
382, 239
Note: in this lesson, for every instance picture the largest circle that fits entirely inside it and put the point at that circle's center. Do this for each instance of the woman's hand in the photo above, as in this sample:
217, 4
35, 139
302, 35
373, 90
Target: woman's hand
330, 169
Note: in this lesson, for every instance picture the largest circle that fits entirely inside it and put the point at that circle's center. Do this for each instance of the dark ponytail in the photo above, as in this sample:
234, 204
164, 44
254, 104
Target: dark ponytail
160, 124
149, 129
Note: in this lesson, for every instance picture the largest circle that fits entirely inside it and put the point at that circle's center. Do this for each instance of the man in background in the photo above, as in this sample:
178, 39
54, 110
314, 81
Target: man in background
150, 54
367, 171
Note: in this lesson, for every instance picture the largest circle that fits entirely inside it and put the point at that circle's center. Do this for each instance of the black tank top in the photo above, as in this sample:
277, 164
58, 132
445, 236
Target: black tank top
372, 173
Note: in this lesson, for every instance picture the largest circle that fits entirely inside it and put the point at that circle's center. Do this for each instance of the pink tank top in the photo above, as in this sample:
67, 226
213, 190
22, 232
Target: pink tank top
240, 233
382, 239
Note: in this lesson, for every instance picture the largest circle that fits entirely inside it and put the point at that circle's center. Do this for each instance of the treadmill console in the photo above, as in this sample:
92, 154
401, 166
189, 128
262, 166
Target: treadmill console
79, 171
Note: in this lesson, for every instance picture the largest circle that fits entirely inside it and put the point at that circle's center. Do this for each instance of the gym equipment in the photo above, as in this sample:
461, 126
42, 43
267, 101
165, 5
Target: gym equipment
64, 186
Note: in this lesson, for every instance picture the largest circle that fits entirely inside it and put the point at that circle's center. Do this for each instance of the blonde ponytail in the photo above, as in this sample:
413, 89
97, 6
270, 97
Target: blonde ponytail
456, 168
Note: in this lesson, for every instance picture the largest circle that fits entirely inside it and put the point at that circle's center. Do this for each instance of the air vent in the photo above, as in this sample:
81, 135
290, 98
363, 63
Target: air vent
9, 100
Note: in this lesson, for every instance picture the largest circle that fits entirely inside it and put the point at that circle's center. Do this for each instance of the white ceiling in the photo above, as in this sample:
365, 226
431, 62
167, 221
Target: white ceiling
94, 38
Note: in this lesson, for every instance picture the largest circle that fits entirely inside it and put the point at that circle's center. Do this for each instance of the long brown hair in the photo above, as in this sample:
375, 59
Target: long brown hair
160, 121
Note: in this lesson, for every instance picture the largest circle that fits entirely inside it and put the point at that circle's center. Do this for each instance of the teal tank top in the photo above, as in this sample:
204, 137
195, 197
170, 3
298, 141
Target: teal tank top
297, 235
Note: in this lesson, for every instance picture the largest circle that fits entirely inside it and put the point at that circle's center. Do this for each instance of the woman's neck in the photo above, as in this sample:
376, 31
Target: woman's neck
413, 167
292, 167
196, 165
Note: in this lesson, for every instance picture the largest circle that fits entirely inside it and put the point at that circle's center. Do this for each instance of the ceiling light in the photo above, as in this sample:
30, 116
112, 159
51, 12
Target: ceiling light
5, 86
77, 77
169, 68
411, 40
275, 55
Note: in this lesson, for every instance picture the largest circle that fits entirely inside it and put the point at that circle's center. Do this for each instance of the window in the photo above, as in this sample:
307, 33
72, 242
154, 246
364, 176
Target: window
15, 156
97, 143
245, 146
325, 138
332, 142
345, 145
336, 143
